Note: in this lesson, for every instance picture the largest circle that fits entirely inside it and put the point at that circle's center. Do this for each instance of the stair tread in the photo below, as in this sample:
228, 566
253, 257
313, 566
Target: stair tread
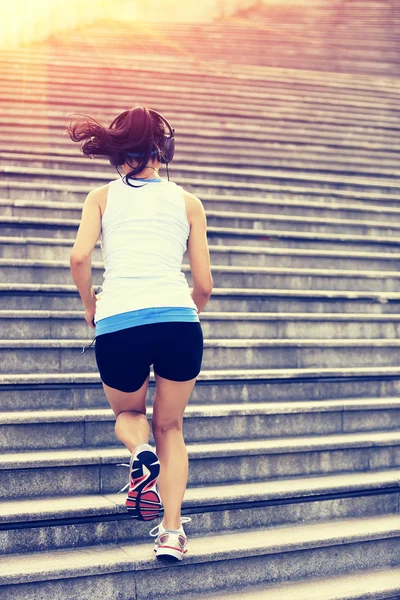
207, 375
13, 511
206, 410
113, 558
379, 296
229, 249
226, 291
309, 271
226, 171
106, 455
373, 584
218, 198
227, 215
338, 193
236, 231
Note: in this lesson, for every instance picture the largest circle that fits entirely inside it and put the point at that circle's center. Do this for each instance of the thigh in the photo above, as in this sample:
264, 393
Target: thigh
124, 358
123, 401
170, 401
178, 350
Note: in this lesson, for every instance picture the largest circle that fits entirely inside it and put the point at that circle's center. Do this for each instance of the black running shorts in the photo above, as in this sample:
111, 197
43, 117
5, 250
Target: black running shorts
174, 348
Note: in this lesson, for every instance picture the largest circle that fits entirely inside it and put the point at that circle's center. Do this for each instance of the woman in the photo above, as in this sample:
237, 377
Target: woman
146, 313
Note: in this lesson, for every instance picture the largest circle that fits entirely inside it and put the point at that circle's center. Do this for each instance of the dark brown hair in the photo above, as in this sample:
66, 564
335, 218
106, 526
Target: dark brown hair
135, 130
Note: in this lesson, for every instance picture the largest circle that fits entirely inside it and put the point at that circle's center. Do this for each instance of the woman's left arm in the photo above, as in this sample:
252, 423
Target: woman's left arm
81, 254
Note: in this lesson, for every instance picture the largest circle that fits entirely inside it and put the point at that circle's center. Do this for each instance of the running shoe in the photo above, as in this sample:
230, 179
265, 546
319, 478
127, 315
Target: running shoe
170, 544
143, 501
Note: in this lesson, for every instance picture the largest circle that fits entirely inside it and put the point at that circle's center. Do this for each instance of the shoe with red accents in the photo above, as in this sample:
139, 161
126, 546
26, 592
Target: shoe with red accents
170, 543
143, 501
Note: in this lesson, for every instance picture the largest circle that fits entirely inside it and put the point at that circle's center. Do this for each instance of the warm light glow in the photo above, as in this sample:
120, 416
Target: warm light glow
33, 21
30, 21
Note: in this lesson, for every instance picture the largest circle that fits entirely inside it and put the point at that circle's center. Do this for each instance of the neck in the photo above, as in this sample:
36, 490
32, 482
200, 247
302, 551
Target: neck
146, 173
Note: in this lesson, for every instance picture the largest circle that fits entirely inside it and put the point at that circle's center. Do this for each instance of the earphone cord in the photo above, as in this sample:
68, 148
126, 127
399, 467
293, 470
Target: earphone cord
88, 345
125, 177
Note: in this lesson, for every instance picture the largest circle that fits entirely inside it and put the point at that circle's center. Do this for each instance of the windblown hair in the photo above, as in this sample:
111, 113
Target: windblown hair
136, 130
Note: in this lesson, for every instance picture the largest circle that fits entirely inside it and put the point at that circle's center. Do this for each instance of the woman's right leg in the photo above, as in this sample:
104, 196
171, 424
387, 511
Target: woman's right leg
170, 400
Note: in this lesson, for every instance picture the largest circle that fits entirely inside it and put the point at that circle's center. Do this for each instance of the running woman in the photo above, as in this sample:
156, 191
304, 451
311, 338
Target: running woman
146, 314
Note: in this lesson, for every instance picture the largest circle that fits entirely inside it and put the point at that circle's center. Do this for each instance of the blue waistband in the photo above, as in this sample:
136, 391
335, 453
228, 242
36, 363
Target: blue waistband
144, 316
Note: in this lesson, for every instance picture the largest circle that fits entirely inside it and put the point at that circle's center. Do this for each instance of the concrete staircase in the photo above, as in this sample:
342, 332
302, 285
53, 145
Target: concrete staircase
293, 429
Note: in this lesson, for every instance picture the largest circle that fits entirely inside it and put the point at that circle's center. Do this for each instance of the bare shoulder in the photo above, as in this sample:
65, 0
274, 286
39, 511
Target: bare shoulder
194, 205
99, 196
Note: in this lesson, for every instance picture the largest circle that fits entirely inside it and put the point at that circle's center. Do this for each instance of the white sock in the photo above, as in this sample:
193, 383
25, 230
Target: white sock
180, 529
142, 446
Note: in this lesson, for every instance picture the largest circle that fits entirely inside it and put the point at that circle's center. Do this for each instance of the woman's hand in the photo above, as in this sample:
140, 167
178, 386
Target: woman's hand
91, 310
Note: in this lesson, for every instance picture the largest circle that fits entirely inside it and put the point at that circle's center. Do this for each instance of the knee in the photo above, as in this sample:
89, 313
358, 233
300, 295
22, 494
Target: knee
161, 427
119, 415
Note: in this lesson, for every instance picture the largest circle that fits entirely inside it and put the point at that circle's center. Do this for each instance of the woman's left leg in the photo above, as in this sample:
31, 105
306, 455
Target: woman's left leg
123, 359
131, 425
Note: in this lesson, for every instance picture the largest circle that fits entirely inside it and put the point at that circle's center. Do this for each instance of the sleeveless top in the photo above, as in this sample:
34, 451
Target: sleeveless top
143, 239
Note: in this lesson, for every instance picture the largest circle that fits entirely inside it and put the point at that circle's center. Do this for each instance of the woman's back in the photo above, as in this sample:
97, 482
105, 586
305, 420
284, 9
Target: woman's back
144, 237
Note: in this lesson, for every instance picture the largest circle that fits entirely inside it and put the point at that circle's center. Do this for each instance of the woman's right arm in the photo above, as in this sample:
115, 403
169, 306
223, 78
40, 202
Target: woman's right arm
198, 252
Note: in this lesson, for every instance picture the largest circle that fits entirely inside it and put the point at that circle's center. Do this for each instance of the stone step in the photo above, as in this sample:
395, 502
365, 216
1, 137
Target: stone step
63, 324
272, 99
238, 91
57, 192
34, 390
306, 77
27, 227
31, 227
245, 178
183, 98
199, 142
75, 521
277, 555
347, 114
52, 272
369, 60
219, 202
379, 584
259, 99
257, 220
28, 156
56, 391
277, 78
199, 145
52, 248
94, 428
327, 127
38, 152
92, 471
263, 123
35, 296
239, 76
65, 355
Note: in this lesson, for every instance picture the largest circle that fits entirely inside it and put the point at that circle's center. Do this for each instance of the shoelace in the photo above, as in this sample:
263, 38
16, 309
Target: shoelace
127, 485
157, 527
129, 465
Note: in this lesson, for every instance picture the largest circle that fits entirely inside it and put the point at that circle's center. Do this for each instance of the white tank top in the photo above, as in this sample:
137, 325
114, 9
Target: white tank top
143, 240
